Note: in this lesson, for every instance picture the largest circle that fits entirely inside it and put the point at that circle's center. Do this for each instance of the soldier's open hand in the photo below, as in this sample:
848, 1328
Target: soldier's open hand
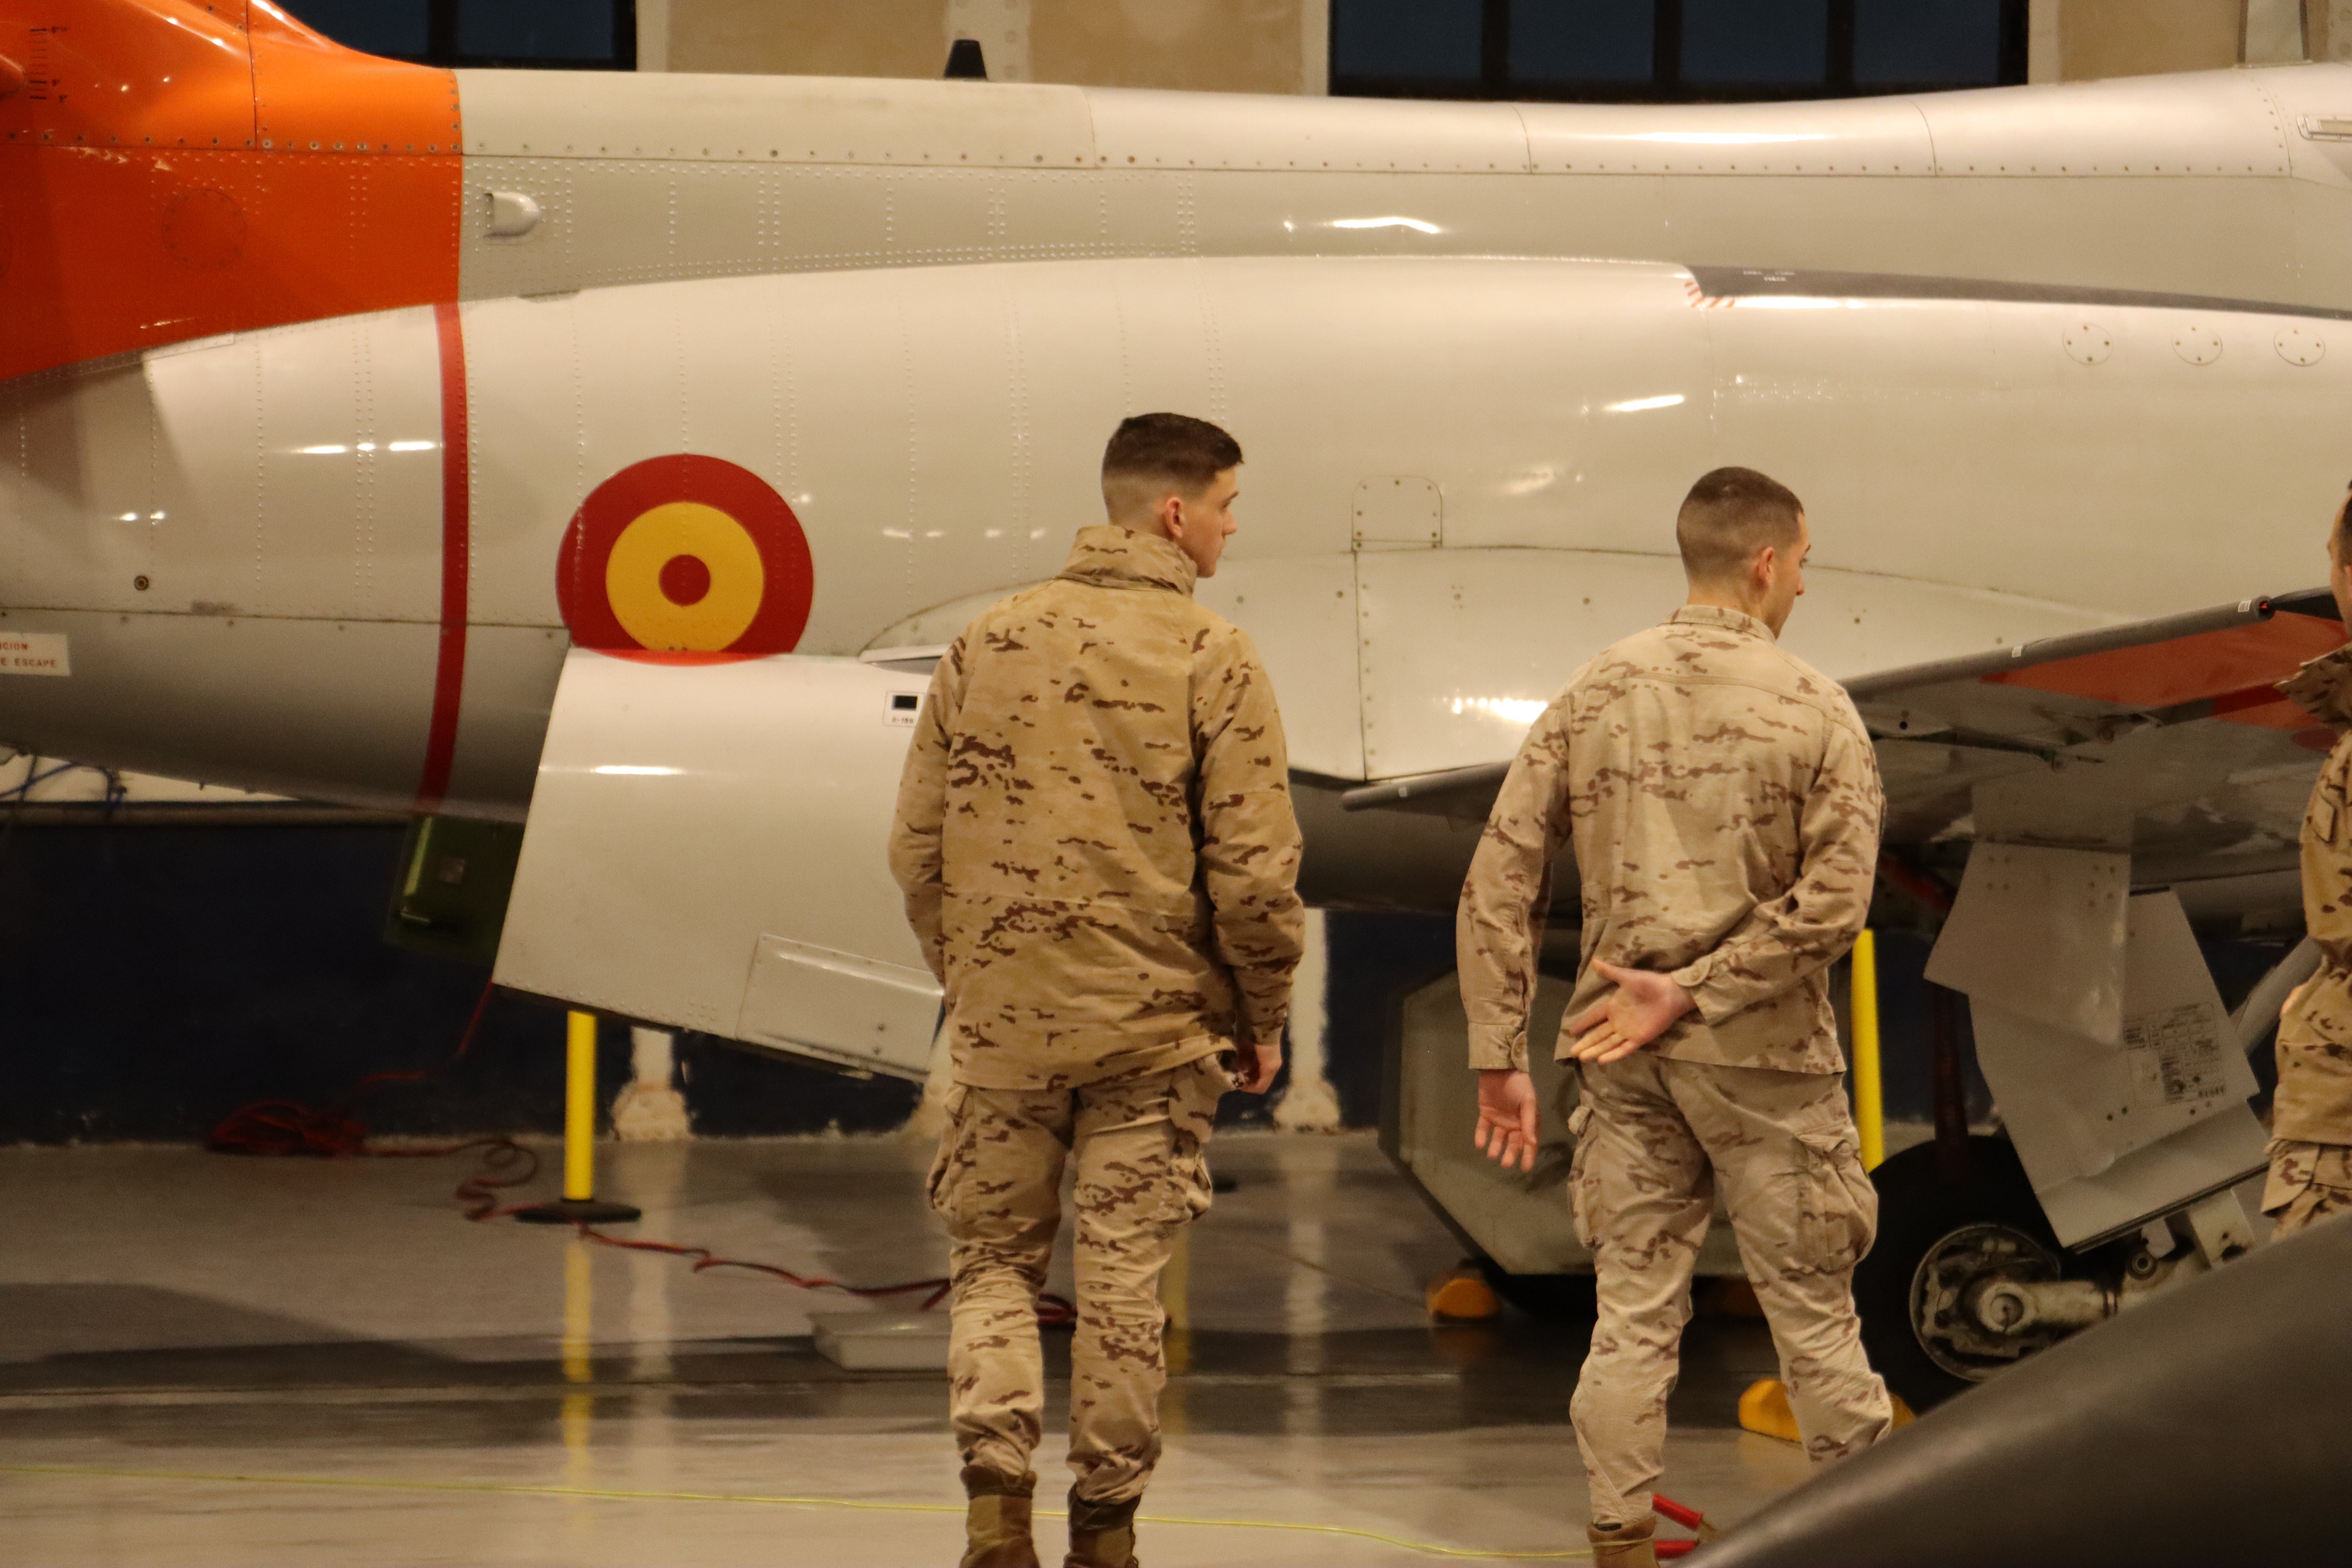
1507, 1128
1637, 1012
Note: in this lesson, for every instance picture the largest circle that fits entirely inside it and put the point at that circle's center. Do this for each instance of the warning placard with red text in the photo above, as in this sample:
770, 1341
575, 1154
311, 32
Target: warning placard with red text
34, 653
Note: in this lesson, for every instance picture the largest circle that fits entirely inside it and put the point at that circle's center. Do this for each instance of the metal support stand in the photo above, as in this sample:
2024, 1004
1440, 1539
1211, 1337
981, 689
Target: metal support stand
579, 1205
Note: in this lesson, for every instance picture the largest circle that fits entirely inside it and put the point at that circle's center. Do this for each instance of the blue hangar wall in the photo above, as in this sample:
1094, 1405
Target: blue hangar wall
155, 979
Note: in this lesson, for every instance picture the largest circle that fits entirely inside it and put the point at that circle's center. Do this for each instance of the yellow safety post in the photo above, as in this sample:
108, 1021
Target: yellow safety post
1764, 1410
579, 1205
1869, 1094
580, 1105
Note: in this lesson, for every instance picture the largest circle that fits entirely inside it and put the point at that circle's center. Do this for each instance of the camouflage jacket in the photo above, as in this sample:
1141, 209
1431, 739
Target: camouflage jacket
2314, 1102
1724, 804
1095, 835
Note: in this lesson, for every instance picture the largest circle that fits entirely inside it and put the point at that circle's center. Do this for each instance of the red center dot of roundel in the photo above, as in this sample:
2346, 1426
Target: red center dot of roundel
685, 580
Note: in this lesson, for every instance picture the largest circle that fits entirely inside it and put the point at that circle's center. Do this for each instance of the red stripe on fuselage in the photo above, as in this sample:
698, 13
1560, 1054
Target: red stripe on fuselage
456, 563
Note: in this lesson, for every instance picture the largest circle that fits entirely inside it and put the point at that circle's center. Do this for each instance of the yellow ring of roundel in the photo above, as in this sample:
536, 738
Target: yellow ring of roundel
633, 578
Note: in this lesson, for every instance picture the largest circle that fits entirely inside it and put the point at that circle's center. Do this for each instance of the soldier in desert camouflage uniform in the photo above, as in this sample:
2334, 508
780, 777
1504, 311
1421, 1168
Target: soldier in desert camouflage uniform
1096, 842
2311, 1114
1724, 804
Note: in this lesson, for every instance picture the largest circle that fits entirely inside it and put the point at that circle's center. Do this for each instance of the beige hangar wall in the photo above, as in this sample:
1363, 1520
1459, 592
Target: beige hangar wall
1281, 46
2142, 38
1232, 46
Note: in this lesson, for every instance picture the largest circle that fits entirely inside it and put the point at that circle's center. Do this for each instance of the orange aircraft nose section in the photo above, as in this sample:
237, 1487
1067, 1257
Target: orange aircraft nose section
171, 170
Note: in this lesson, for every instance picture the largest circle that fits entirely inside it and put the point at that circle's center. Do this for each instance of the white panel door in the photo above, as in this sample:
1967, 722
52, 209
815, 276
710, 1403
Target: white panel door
706, 850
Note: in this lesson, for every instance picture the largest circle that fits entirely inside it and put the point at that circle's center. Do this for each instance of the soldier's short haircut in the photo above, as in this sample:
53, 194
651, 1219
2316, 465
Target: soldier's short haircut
1160, 452
1728, 516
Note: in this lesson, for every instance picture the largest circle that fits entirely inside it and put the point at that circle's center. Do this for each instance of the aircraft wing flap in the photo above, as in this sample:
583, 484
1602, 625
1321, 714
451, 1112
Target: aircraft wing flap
2043, 697
2173, 728
706, 851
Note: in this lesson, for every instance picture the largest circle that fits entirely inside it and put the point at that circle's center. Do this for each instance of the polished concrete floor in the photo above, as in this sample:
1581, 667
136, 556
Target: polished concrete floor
211, 1359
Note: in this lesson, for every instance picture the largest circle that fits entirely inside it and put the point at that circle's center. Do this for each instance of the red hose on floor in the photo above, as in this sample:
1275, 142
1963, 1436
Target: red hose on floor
288, 1126
1688, 1518
705, 1258
1053, 1310
283, 1127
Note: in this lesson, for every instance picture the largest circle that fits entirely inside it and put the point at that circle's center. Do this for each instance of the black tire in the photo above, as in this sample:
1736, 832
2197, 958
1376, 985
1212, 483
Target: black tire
1548, 1298
1919, 1208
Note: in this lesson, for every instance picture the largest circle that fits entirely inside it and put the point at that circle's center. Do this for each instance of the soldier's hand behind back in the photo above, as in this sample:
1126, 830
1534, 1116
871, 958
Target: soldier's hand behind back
1507, 1129
1259, 1063
1637, 1012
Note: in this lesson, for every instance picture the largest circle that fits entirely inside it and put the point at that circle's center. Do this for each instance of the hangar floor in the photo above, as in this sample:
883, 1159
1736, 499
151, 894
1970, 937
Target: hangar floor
207, 1360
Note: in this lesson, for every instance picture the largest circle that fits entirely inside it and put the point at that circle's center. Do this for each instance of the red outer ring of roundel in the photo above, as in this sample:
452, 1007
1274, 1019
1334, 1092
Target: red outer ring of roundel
791, 577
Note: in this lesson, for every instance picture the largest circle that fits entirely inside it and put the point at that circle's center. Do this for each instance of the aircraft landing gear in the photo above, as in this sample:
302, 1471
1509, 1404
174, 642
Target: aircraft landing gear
1965, 1278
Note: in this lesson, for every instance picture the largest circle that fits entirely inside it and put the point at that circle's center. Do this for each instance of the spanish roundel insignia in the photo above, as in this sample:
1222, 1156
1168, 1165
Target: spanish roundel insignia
685, 555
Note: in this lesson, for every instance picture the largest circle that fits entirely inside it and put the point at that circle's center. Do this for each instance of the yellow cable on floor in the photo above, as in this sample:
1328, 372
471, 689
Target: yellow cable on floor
517, 1490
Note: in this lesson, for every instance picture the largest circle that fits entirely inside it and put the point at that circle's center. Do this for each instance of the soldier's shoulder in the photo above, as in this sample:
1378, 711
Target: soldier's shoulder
1812, 686
1666, 652
1040, 608
1013, 606
1692, 649
1209, 636
1648, 651
1791, 680
1582, 678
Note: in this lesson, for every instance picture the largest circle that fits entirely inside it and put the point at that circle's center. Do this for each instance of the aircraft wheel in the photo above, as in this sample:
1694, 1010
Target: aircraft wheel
1548, 1298
1939, 1242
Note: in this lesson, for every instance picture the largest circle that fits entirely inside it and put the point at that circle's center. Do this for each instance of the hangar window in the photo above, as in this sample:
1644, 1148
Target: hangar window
1581, 40
1427, 38
1668, 51
562, 35
1753, 42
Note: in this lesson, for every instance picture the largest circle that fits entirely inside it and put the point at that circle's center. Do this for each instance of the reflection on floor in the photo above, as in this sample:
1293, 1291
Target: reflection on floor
210, 1360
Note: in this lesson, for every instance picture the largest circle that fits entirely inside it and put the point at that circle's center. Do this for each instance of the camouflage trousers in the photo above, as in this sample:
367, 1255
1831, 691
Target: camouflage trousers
1142, 1174
1653, 1139
2308, 1182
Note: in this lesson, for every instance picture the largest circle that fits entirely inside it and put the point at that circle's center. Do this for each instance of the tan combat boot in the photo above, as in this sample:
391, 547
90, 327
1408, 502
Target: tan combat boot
996, 1524
1622, 1545
1102, 1534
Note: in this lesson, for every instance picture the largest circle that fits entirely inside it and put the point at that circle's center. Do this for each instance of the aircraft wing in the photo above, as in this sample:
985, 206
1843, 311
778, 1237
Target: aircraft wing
2168, 737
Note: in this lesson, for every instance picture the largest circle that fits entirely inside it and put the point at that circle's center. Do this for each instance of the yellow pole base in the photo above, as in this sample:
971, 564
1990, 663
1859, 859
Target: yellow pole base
579, 1205
1764, 1410
1462, 1297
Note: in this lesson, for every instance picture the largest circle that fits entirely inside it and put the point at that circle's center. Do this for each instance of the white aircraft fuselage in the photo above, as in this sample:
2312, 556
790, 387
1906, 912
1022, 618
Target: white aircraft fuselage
2037, 359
